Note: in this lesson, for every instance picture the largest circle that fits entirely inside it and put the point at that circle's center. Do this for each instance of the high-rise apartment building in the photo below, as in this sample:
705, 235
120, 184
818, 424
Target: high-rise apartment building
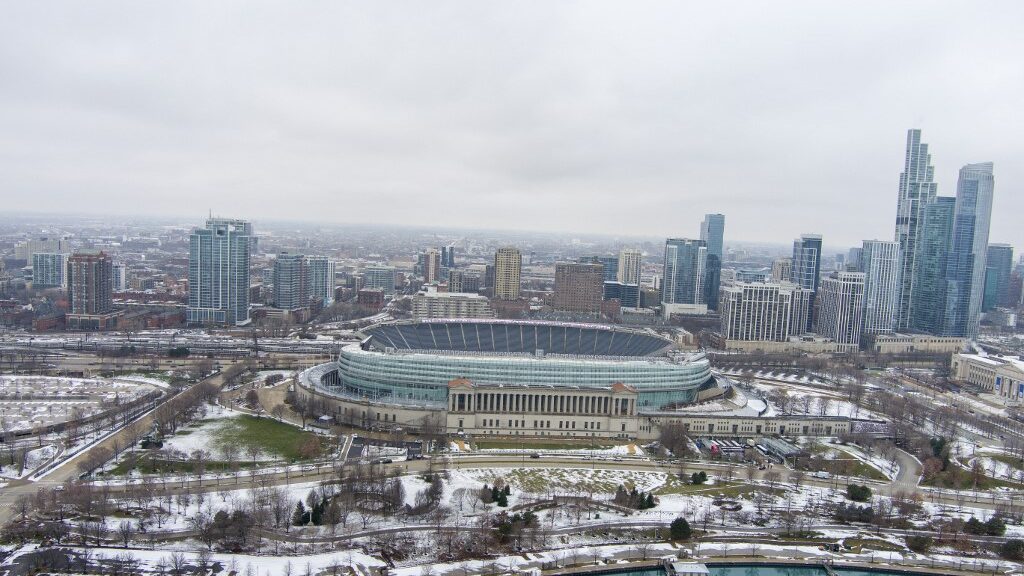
917, 191
782, 269
928, 307
321, 278
218, 272
682, 288
610, 263
712, 232
432, 266
90, 291
508, 265
291, 282
48, 270
629, 266
463, 282
762, 311
382, 277
853, 260
965, 271
841, 308
120, 277
579, 288
998, 268
880, 260
806, 269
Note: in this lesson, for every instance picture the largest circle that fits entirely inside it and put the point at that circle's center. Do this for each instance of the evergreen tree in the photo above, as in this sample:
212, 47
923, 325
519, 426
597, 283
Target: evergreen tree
680, 529
299, 516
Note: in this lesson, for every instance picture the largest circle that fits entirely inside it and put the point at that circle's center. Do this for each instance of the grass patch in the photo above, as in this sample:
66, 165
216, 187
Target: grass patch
1011, 461
271, 436
146, 464
673, 485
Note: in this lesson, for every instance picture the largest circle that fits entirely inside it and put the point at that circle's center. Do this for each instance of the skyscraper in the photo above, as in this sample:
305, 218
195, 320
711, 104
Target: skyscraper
90, 290
806, 268
448, 256
928, 307
881, 265
48, 269
761, 311
917, 190
629, 267
610, 263
841, 308
291, 282
321, 278
218, 272
578, 287
431, 266
712, 232
782, 269
999, 266
508, 265
965, 271
382, 277
683, 286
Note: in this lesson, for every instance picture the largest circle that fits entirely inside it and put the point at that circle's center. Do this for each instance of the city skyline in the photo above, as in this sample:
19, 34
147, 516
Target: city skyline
483, 139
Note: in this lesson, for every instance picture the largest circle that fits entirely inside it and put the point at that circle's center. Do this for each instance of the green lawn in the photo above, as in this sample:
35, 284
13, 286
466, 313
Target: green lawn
146, 464
858, 544
272, 436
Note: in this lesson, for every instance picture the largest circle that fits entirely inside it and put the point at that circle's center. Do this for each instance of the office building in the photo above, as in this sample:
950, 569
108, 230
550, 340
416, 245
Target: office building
448, 256
881, 266
610, 264
712, 232
762, 311
218, 272
90, 291
628, 295
853, 260
806, 269
928, 307
579, 288
382, 277
508, 265
48, 270
917, 191
682, 289
841, 306
998, 268
291, 282
782, 270
965, 271
321, 278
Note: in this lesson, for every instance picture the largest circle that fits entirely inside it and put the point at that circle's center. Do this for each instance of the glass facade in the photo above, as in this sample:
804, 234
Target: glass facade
419, 378
965, 270
929, 302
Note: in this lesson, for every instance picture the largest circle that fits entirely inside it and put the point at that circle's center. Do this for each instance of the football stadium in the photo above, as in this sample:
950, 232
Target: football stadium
508, 377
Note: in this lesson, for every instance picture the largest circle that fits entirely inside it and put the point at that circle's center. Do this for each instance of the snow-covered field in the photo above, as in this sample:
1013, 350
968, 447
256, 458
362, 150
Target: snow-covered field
204, 433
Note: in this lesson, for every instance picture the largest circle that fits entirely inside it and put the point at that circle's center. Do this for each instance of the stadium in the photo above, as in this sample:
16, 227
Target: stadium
501, 377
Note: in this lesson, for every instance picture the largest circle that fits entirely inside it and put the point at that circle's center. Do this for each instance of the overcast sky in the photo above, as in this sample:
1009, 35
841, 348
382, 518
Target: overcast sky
625, 117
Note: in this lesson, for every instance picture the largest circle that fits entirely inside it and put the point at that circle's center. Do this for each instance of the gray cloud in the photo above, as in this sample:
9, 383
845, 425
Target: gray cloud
625, 118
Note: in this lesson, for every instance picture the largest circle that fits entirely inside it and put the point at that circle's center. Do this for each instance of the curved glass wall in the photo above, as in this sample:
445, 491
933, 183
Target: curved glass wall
422, 378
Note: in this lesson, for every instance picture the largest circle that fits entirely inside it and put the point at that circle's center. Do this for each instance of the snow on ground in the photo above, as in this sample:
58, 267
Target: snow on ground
997, 469
203, 434
886, 466
30, 401
617, 450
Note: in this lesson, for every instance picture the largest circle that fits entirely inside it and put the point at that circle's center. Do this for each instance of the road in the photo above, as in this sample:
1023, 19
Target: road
69, 470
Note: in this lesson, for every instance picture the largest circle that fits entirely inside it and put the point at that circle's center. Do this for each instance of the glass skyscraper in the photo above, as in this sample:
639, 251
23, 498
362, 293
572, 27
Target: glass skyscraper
218, 272
712, 232
806, 269
965, 271
917, 191
685, 261
998, 267
929, 305
881, 266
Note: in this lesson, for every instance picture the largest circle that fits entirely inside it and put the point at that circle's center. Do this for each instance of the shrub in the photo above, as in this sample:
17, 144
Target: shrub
699, 477
858, 493
919, 544
1012, 550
